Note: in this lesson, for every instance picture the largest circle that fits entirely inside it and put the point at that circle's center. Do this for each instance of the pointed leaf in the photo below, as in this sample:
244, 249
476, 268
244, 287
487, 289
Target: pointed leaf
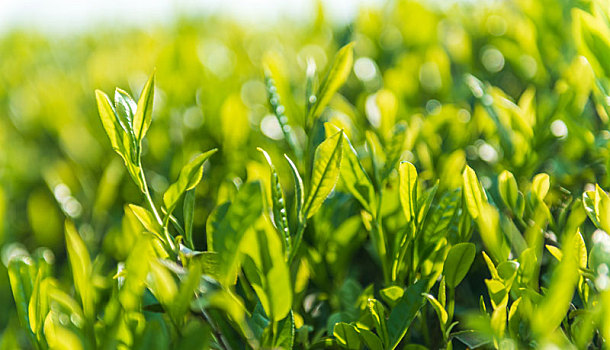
458, 262
407, 188
347, 336
473, 192
326, 166
143, 115
404, 312
189, 177
80, 263
338, 73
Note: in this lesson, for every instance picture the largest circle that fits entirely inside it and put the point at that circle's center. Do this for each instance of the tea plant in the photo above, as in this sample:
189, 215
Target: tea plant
351, 231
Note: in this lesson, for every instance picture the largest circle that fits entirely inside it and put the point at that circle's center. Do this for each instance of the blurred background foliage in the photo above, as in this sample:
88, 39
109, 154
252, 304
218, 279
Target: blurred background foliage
413, 62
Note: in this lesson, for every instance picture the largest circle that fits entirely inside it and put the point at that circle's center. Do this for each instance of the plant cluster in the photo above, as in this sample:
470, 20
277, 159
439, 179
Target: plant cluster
353, 219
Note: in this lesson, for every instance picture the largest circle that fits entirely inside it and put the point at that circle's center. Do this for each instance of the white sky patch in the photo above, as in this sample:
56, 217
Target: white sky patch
65, 16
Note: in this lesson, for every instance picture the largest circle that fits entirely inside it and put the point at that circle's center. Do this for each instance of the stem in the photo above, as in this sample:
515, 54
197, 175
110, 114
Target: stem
221, 339
450, 304
168, 237
148, 196
379, 239
377, 235
274, 330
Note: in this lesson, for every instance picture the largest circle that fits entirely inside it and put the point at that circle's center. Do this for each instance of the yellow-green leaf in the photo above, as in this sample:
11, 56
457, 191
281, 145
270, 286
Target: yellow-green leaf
407, 188
80, 263
326, 168
473, 192
338, 73
143, 115
189, 177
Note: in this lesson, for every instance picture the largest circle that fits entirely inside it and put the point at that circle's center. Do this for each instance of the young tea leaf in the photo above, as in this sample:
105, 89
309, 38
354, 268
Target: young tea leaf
189, 177
338, 73
458, 262
80, 262
326, 167
407, 188
143, 115
353, 174
507, 186
473, 192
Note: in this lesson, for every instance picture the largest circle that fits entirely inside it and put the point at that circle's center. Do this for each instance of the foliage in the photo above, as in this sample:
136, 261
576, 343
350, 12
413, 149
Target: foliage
423, 178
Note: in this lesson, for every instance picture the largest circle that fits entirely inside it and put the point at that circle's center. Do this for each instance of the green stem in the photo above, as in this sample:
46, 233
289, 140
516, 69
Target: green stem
379, 242
168, 237
450, 305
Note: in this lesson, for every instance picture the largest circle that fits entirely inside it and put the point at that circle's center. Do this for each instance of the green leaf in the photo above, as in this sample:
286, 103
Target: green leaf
458, 262
21, 276
404, 312
326, 167
298, 189
137, 267
473, 192
407, 188
278, 204
38, 305
59, 336
125, 109
555, 252
353, 174
438, 308
186, 292
80, 262
143, 115
591, 36
489, 229
602, 208
509, 192
109, 121
162, 284
394, 149
229, 231
588, 201
371, 340
378, 313
189, 177
258, 322
507, 270
391, 295
189, 215
347, 336
148, 220
541, 185
551, 311
338, 73
267, 271
285, 337
600, 255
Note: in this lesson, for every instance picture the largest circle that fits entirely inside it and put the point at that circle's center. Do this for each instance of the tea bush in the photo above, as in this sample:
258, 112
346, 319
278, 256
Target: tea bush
422, 178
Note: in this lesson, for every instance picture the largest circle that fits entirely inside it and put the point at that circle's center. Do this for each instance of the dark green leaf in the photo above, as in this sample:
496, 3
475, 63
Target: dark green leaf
404, 313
